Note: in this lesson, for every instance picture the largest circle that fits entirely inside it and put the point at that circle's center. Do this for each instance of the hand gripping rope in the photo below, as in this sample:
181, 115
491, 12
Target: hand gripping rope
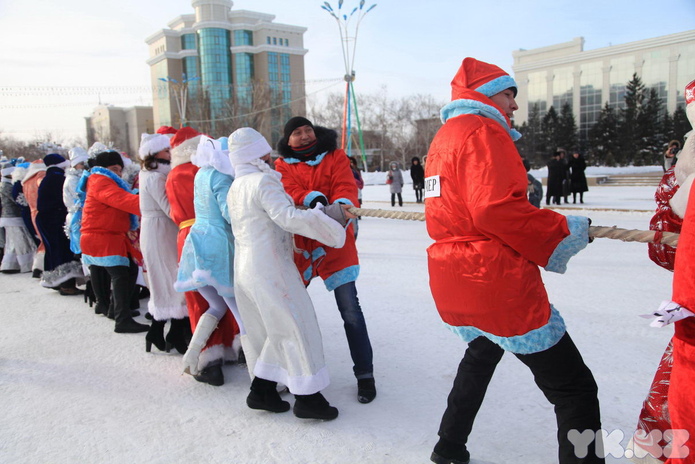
626, 235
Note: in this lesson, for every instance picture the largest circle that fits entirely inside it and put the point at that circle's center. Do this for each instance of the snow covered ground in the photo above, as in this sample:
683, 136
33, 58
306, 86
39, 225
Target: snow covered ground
74, 391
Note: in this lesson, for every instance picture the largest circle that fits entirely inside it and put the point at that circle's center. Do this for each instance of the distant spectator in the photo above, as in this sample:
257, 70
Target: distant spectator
674, 146
394, 178
578, 184
417, 174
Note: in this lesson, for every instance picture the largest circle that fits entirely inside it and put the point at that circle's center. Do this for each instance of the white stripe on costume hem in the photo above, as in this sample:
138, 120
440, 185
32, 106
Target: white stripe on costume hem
298, 385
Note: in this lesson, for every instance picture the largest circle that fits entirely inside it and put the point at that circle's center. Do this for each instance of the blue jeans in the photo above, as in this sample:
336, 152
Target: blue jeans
355, 330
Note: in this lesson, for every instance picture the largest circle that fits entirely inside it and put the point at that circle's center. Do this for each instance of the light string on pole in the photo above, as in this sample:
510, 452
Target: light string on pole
348, 25
180, 91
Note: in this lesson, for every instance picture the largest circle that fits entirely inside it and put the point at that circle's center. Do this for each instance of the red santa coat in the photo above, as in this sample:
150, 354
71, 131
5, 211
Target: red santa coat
179, 189
329, 175
107, 216
681, 399
489, 240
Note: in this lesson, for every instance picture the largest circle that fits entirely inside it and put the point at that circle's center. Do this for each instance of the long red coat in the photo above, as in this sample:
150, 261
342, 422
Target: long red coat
489, 240
179, 189
106, 220
681, 396
332, 177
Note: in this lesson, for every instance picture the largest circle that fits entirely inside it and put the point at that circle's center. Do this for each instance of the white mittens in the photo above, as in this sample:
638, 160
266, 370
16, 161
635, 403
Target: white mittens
668, 312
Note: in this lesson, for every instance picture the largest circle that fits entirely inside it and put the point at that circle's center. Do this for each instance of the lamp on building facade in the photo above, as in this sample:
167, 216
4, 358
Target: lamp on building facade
349, 25
180, 91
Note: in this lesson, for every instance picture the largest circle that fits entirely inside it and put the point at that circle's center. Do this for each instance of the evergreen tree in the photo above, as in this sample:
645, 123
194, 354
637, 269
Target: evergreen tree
530, 144
602, 137
628, 140
549, 132
681, 125
567, 129
650, 129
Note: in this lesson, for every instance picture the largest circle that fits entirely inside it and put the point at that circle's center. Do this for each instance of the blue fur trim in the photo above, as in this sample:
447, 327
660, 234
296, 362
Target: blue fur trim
308, 273
465, 106
105, 261
311, 196
82, 188
343, 276
319, 252
496, 86
533, 341
313, 162
344, 201
134, 220
575, 242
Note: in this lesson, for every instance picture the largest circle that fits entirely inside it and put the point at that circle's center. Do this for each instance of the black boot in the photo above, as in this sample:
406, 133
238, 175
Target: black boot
212, 375
264, 395
179, 334
447, 452
314, 407
366, 390
156, 336
130, 326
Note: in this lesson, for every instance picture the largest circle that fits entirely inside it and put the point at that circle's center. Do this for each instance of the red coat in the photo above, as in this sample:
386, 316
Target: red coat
106, 220
332, 177
489, 240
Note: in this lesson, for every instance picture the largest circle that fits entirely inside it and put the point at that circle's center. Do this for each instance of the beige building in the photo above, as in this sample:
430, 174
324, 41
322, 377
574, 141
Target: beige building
218, 69
119, 127
587, 80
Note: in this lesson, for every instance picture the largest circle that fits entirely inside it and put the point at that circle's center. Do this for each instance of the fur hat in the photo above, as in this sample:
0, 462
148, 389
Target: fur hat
151, 144
246, 145
108, 158
96, 148
54, 159
77, 155
184, 145
482, 77
294, 123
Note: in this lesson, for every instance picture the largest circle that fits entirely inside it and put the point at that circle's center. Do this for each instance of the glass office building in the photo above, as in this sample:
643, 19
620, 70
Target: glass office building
587, 80
232, 68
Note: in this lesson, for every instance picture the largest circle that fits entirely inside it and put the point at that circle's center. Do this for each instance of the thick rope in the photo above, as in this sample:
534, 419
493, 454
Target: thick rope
615, 233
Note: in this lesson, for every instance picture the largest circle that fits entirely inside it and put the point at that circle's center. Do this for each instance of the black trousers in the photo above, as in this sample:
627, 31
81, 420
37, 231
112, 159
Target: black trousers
393, 199
120, 280
559, 372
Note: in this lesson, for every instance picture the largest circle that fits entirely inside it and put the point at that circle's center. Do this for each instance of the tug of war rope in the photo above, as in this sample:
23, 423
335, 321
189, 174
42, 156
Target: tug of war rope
626, 235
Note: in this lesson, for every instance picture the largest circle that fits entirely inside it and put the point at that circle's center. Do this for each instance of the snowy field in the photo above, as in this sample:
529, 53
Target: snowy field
74, 391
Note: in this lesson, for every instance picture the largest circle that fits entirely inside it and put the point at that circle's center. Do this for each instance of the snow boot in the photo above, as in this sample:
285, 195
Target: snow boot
130, 326
179, 335
366, 390
447, 452
314, 407
211, 374
156, 336
264, 396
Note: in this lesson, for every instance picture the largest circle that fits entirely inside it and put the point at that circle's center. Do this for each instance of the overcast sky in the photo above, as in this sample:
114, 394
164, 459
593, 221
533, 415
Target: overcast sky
408, 46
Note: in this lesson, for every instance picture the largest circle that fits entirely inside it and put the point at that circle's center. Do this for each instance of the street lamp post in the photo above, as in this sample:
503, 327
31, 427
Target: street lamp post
348, 25
180, 91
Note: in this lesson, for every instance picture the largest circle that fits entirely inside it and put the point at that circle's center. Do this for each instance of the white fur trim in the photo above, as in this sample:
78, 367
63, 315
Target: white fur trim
182, 153
152, 143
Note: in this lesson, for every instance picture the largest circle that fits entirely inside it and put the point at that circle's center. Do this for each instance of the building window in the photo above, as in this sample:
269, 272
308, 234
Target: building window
685, 73
188, 42
563, 88
243, 37
537, 92
287, 43
621, 72
590, 96
275, 40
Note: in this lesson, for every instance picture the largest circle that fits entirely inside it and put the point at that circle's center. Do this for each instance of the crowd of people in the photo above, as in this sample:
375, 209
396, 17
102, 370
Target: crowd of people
224, 245
227, 245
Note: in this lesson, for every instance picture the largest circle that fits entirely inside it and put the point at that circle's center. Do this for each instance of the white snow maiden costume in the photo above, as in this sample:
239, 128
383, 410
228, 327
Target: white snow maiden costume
283, 340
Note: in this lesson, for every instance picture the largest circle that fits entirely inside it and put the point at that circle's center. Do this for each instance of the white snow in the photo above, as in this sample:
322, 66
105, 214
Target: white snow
74, 391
